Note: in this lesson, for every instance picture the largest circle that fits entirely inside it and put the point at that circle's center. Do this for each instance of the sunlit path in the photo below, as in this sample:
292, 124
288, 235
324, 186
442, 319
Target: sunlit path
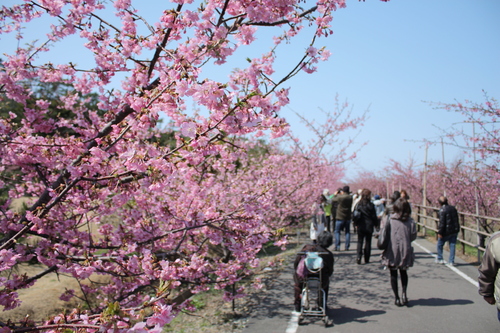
442, 299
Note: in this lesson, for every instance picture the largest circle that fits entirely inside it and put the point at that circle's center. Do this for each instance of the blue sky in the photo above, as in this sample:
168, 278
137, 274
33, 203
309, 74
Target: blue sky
390, 58
393, 58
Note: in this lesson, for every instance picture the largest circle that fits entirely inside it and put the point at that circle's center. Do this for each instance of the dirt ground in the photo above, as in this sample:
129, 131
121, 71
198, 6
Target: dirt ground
41, 300
213, 315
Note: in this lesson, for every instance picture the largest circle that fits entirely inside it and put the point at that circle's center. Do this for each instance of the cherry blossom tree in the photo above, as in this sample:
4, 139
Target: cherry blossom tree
156, 223
483, 139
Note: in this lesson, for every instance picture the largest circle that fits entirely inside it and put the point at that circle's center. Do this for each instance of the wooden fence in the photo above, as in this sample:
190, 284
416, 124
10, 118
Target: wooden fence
471, 231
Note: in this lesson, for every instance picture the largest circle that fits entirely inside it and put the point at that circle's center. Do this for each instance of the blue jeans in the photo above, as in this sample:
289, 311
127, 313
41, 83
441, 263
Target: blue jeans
452, 240
339, 226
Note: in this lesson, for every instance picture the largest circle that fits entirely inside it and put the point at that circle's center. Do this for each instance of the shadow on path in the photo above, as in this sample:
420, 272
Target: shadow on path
346, 314
438, 302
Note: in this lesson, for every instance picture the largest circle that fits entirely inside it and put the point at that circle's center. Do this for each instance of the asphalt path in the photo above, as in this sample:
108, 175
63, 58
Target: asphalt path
442, 298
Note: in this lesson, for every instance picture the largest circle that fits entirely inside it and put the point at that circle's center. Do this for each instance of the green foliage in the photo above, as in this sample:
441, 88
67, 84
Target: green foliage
51, 92
165, 139
112, 310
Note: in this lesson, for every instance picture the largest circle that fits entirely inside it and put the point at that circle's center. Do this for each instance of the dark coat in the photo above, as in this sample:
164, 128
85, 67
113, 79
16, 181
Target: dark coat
369, 219
328, 261
448, 221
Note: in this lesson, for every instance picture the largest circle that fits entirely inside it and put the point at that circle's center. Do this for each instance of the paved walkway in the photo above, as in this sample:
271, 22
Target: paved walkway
442, 299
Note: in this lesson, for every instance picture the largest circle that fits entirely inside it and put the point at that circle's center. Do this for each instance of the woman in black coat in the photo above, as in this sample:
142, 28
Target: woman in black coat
365, 225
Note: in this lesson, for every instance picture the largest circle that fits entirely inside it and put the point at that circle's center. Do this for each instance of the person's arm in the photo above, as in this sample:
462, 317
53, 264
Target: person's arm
413, 234
488, 271
374, 217
442, 222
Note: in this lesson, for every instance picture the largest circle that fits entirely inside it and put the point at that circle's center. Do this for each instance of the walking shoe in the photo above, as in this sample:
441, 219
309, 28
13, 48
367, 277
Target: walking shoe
440, 261
452, 264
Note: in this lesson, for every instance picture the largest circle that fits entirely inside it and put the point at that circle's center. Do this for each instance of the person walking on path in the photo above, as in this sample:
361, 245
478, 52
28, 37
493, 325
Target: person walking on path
343, 217
333, 208
405, 195
399, 255
328, 209
448, 229
389, 207
365, 226
325, 240
318, 218
489, 276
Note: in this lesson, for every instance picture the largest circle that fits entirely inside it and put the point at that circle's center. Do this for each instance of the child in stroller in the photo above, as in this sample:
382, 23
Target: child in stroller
313, 267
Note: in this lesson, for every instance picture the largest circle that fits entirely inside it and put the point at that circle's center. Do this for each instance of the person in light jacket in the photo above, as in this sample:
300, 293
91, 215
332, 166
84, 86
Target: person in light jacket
399, 255
318, 221
489, 272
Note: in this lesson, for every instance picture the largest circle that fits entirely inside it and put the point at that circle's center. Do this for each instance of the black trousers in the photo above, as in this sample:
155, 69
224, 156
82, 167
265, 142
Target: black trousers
364, 238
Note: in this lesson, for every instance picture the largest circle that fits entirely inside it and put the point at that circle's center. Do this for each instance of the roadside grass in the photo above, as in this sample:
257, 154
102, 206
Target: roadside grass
214, 315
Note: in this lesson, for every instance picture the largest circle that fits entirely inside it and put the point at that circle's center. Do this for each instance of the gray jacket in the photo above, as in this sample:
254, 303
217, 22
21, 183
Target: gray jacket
399, 253
489, 278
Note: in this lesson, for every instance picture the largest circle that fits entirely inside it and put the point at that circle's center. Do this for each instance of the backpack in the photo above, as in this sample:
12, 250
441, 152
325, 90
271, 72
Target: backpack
301, 269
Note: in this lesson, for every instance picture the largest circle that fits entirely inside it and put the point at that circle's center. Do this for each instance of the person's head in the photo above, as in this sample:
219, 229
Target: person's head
325, 239
402, 209
395, 196
366, 195
346, 189
443, 200
321, 199
405, 195
326, 192
376, 197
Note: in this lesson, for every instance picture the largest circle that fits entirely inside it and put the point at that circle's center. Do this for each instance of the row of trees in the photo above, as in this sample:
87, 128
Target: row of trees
470, 183
158, 213
162, 213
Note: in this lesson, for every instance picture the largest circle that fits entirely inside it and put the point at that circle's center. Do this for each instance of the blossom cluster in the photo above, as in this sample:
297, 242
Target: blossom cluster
158, 222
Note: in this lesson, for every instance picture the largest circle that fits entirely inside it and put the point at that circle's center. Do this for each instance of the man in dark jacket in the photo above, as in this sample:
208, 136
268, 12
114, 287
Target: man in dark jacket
324, 241
343, 217
448, 229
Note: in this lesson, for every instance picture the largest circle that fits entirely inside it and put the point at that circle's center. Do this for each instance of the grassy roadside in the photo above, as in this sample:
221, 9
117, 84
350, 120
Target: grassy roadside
213, 315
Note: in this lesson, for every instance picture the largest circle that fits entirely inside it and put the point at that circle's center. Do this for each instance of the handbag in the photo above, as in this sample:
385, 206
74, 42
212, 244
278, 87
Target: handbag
356, 215
384, 236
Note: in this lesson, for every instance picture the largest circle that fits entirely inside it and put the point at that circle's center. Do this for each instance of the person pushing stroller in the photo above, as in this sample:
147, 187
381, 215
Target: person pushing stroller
323, 242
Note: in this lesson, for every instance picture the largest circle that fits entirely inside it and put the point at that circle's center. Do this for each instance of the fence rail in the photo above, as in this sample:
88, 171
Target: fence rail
427, 218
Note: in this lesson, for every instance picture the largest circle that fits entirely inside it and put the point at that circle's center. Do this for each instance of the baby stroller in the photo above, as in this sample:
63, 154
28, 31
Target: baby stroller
313, 301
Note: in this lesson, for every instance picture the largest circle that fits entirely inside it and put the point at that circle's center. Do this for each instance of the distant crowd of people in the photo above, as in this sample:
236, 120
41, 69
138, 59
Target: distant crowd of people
387, 221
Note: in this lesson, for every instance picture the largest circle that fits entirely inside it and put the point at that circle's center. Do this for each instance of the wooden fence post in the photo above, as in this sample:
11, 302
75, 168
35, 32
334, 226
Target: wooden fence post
462, 217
